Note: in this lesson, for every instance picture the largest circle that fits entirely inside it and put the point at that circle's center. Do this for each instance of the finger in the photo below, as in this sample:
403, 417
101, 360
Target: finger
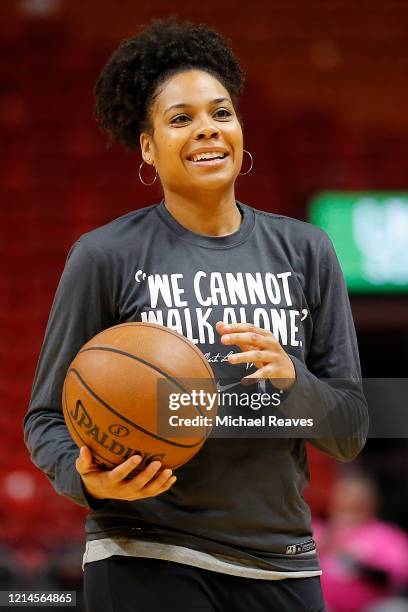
140, 480
271, 372
225, 328
152, 490
253, 356
158, 481
169, 483
84, 461
121, 471
251, 338
246, 348
262, 373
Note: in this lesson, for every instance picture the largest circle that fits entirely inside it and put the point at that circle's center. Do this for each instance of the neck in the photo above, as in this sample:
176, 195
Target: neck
208, 213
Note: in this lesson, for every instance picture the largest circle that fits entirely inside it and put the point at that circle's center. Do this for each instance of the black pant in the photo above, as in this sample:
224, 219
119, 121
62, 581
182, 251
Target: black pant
136, 584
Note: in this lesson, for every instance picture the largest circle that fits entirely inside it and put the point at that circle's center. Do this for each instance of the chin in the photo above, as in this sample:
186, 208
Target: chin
215, 177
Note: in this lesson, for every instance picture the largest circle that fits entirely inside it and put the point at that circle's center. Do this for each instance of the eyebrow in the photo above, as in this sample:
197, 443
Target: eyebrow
181, 105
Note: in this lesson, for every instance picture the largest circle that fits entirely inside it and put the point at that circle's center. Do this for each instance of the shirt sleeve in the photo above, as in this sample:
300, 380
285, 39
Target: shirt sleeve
328, 386
82, 307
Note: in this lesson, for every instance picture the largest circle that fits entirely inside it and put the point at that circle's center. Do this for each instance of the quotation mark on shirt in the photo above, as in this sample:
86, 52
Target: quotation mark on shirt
139, 274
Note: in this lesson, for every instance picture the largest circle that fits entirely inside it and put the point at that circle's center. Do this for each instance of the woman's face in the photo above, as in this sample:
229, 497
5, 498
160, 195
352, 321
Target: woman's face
192, 112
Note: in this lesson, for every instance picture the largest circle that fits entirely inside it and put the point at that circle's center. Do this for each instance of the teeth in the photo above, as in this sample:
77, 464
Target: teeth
208, 155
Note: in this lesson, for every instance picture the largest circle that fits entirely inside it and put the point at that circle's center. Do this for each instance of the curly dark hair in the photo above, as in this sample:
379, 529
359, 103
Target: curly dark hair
129, 82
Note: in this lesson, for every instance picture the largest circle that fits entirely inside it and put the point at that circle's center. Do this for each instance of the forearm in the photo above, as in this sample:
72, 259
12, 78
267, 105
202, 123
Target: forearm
337, 407
82, 307
54, 452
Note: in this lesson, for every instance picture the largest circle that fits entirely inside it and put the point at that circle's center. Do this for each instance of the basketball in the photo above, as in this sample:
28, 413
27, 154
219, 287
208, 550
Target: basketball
110, 394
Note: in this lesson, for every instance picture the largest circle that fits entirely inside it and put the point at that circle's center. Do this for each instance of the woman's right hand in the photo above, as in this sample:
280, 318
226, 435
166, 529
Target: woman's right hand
112, 484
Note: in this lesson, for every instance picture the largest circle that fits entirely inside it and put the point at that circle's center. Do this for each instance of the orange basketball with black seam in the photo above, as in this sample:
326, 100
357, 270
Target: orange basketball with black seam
110, 394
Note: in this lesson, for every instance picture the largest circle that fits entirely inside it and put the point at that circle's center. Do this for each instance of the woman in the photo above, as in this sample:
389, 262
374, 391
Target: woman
231, 531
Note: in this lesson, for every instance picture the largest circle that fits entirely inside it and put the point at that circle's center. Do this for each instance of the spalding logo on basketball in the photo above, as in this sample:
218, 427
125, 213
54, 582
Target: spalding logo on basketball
110, 394
119, 430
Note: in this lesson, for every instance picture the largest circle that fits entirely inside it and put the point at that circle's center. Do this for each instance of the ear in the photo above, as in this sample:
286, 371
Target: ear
147, 148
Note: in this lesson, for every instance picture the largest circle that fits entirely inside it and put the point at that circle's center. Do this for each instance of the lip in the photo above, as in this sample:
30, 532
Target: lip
211, 163
207, 150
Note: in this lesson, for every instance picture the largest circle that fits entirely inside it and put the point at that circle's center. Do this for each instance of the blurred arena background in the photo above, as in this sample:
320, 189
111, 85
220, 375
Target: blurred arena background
325, 110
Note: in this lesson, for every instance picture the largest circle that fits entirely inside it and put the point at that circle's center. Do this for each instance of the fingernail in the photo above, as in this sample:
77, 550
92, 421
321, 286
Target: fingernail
155, 465
227, 328
136, 459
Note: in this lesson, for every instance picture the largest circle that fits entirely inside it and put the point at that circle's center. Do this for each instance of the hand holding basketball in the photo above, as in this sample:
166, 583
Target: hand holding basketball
110, 397
113, 484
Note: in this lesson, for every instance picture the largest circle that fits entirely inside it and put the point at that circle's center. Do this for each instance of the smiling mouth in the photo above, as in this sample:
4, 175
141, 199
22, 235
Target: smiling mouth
214, 161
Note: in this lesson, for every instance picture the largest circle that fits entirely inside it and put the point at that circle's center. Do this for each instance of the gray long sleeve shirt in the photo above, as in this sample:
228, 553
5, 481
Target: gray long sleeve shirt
239, 499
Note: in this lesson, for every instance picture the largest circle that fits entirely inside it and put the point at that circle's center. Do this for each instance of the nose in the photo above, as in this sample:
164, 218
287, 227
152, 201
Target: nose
207, 130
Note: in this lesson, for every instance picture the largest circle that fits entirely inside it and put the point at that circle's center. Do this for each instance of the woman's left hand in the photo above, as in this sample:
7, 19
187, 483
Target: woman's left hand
261, 348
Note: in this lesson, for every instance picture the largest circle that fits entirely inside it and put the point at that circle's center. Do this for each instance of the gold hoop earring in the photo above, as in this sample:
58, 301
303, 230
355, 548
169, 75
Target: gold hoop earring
140, 175
252, 163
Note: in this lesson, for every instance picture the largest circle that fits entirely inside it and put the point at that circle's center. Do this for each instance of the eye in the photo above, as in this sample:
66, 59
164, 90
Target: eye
183, 117
224, 110
178, 117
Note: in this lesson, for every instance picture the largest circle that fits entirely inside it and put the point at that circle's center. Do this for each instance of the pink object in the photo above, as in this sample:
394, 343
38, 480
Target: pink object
377, 545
